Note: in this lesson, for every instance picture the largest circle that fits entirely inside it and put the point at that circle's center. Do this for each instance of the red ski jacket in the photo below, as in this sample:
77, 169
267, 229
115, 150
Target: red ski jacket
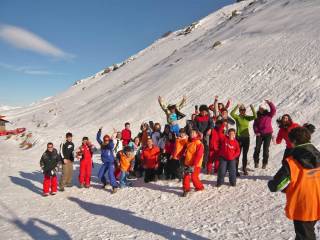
230, 149
149, 157
284, 134
126, 136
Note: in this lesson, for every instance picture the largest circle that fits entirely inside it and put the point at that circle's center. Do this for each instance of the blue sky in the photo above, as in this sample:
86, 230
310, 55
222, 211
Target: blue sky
46, 46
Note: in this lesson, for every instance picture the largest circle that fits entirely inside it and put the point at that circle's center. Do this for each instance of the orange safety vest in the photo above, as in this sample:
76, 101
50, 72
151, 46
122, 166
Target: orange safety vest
178, 150
191, 152
125, 162
303, 192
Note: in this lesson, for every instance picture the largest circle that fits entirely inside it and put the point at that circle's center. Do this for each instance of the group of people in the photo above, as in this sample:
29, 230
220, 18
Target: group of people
212, 141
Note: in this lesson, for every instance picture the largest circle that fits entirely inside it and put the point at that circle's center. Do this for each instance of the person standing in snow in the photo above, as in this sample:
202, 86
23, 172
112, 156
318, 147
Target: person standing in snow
178, 155
48, 163
144, 134
217, 107
156, 134
285, 124
136, 148
262, 127
67, 154
192, 163
107, 157
299, 178
243, 137
204, 124
227, 121
217, 135
85, 154
150, 161
125, 159
229, 152
126, 134
173, 113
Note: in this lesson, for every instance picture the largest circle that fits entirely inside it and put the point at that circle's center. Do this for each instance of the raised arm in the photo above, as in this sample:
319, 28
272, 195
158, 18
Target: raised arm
272, 108
182, 103
254, 114
162, 104
99, 136
233, 112
227, 104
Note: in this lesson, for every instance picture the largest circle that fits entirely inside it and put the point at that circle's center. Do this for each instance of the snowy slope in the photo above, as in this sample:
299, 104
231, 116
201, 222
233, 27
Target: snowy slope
269, 50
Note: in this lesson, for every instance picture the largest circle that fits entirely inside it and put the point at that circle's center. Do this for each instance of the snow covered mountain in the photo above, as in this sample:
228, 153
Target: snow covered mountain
249, 51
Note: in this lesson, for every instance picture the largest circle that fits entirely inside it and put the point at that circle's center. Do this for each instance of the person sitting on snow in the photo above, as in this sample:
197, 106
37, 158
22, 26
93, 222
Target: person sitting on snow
173, 113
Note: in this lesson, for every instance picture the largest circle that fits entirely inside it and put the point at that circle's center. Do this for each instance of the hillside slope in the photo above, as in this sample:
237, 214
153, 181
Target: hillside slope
270, 49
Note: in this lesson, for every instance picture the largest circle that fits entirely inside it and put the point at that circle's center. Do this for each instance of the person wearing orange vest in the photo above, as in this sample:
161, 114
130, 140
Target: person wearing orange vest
178, 155
299, 178
192, 163
150, 160
125, 161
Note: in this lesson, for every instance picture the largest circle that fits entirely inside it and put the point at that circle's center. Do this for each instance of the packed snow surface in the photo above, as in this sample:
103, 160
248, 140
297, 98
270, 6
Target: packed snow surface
269, 49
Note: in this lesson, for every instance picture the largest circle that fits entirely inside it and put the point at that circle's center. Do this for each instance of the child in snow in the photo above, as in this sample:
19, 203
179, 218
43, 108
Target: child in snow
299, 178
228, 153
125, 160
144, 134
107, 157
192, 163
48, 163
156, 134
173, 113
85, 155
67, 154
174, 165
126, 134
165, 159
136, 148
149, 159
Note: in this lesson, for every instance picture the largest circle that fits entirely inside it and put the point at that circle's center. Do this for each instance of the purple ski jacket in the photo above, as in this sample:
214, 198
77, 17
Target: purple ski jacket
263, 124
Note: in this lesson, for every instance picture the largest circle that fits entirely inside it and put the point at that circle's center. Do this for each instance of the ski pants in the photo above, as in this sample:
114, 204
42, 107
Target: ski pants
175, 129
265, 140
107, 167
194, 177
50, 182
244, 143
150, 175
304, 230
213, 162
85, 171
224, 166
67, 172
173, 169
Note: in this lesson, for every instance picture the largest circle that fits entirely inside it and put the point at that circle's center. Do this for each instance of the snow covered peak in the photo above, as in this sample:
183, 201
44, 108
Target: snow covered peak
249, 51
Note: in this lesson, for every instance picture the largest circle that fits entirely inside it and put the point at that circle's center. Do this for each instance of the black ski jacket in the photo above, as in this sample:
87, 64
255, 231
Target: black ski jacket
49, 161
66, 151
